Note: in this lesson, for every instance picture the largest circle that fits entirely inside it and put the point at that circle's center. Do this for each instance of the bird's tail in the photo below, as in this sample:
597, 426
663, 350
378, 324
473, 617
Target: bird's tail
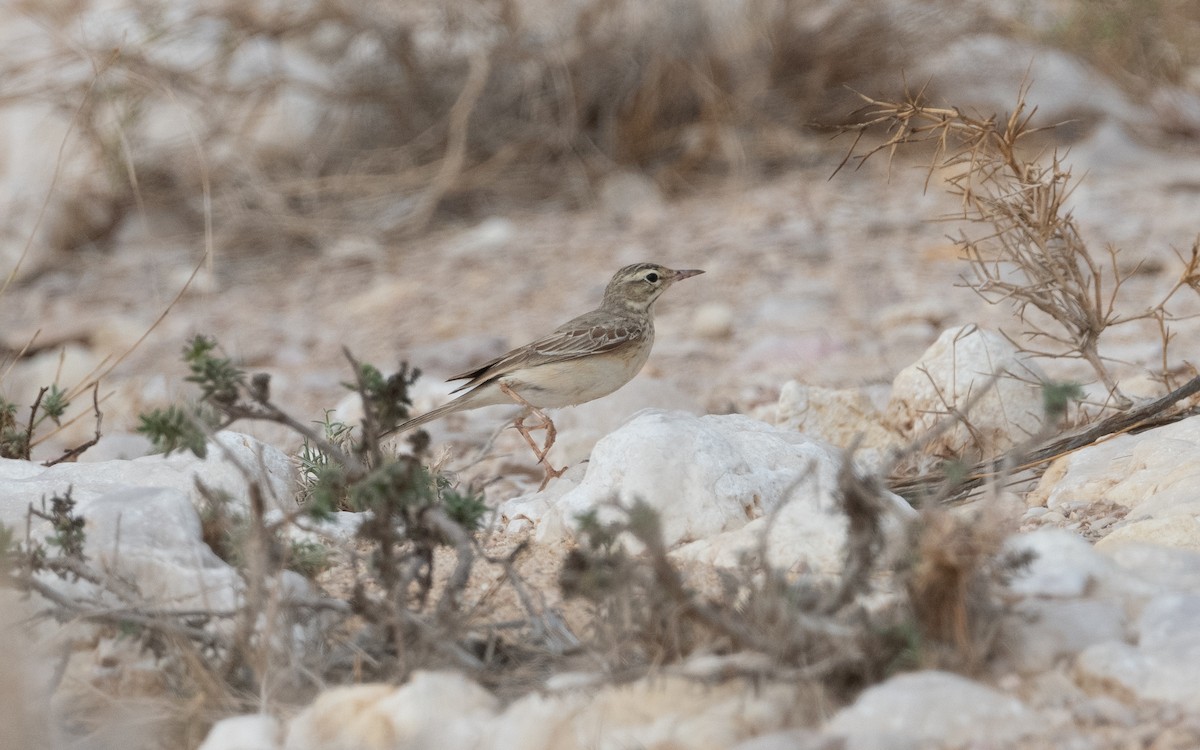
429, 416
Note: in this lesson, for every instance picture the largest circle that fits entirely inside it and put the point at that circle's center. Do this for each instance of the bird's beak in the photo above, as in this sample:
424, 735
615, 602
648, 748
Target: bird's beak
680, 275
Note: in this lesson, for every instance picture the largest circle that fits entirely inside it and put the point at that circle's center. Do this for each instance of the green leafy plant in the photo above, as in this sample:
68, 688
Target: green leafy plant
16, 440
408, 510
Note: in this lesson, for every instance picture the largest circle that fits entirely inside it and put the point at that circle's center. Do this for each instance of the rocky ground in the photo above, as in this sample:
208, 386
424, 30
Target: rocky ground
832, 279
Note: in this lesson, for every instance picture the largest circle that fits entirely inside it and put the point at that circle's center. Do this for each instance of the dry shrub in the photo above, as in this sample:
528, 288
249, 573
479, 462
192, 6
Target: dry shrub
954, 583
649, 614
1024, 246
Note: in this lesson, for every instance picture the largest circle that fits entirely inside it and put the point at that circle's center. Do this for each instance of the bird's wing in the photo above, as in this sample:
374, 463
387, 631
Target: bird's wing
590, 333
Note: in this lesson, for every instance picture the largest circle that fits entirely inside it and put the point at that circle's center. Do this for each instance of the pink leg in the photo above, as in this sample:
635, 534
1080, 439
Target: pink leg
545, 424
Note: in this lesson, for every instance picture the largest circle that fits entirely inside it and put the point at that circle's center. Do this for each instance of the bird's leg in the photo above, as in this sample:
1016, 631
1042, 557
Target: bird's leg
545, 424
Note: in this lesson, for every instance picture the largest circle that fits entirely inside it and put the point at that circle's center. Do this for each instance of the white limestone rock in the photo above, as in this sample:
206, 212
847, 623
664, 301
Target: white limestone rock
249, 732
580, 427
1175, 530
714, 320
1152, 569
1164, 663
142, 524
657, 712
713, 481
23, 482
54, 190
1155, 472
842, 417
151, 537
931, 709
447, 711
1064, 565
958, 367
1071, 597
432, 710
790, 739
1039, 632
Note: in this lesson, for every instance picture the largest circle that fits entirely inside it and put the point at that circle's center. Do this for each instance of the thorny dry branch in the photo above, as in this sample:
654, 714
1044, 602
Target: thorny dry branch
1032, 254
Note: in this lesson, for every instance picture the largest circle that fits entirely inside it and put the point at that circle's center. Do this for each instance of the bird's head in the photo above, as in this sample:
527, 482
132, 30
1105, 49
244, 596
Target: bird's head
636, 287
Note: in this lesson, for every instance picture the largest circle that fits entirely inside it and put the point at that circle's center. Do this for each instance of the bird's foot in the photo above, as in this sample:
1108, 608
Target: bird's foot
544, 423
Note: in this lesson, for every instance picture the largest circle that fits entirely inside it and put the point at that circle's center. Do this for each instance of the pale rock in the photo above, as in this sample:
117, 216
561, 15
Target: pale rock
1110, 148
151, 536
118, 446
489, 236
195, 283
348, 410
54, 189
539, 721
630, 199
706, 476
931, 709
842, 417
1063, 564
1155, 473
713, 320
1033, 514
377, 301
250, 732
580, 427
1169, 620
23, 483
343, 718
115, 335
1143, 387
29, 678
339, 528
1176, 530
958, 367
1177, 108
983, 73
808, 533
1157, 568
442, 710
1104, 709
353, 248
1038, 632
537, 510
659, 712
1164, 663
1053, 687
790, 739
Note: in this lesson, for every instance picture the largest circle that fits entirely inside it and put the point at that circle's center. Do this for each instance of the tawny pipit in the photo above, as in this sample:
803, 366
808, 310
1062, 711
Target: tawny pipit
583, 359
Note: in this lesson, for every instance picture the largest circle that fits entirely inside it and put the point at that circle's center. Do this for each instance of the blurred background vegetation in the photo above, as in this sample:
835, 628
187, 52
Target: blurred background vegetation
288, 124
301, 120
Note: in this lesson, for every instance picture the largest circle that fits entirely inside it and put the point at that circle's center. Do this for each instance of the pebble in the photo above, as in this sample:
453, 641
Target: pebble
714, 320
1105, 709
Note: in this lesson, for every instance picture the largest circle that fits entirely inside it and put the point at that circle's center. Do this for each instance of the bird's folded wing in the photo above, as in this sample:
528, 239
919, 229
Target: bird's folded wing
581, 337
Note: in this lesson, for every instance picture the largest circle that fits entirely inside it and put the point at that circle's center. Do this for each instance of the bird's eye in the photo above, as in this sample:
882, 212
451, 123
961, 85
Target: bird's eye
652, 277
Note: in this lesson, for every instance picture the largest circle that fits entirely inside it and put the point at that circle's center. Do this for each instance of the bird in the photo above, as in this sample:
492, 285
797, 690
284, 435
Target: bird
584, 359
